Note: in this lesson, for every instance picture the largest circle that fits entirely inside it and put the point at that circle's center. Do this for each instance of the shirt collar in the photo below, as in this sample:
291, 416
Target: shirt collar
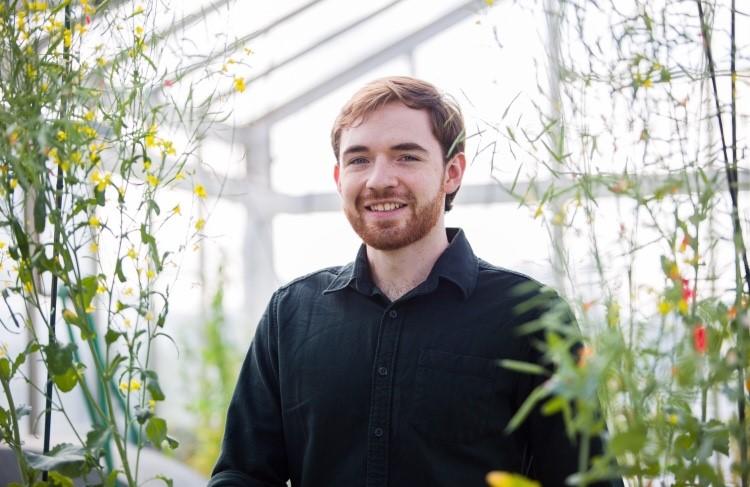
456, 264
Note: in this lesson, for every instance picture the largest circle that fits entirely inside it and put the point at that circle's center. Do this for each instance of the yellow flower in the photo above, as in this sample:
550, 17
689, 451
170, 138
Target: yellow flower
62, 136
248, 51
146, 164
13, 183
505, 479
179, 176
128, 291
150, 274
132, 253
100, 180
138, 10
88, 131
672, 419
175, 211
54, 155
2, 244
87, 8
101, 62
89, 116
539, 211
132, 386
489, 3
90, 308
152, 180
93, 247
94, 222
152, 405
80, 29
150, 138
647, 83
138, 31
664, 307
200, 191
200, 224
168, 147
67, 37
239, 84
149, 316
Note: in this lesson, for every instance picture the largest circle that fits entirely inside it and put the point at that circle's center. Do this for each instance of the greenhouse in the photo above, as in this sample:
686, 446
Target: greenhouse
171, 181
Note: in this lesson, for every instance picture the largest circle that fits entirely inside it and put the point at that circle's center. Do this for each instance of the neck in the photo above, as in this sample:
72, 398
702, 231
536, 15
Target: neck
396, 272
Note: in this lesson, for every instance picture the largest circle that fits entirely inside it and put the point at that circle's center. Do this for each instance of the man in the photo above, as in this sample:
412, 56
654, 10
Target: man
384, 372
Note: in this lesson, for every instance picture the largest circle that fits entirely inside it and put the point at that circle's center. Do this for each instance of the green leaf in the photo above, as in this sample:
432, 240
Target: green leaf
23, 410
60, 357
111, 479
524, 367
148, 239
20, 237
156, 431
88, 287
119, 272
173, 443
67, 380
111, 336
5, 369
40, 212
65, 458
630, 441
98, 438
152, 384
536, 395
57, 479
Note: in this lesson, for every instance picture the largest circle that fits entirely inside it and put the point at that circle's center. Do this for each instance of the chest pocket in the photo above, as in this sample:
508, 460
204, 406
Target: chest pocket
460, 398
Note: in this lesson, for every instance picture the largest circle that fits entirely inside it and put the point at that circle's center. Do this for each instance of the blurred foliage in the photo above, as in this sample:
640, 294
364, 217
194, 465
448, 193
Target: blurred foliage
633, 169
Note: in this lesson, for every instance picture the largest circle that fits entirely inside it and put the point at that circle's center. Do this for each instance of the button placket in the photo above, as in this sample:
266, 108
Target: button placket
380, 404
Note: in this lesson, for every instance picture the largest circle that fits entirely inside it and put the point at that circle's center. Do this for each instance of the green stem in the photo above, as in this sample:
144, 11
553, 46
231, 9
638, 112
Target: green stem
15, 445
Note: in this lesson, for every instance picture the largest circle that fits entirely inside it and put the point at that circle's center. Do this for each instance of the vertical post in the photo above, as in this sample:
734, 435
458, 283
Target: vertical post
555, 135
260, 278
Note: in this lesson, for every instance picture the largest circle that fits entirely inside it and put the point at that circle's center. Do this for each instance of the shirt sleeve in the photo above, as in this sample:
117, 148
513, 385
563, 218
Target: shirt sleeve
550, 455
253, 451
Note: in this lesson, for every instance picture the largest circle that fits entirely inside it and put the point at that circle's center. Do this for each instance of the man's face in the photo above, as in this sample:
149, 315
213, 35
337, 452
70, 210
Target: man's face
392, 178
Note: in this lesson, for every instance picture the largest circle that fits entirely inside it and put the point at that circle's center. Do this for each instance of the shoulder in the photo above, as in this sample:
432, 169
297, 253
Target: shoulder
522, 292
491, 274
312, 284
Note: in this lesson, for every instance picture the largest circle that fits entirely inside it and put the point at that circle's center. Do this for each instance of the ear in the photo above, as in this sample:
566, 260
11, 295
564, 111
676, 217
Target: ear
337, 176
454, 173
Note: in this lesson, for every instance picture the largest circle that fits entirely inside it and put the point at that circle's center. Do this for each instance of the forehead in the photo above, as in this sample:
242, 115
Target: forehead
392, 124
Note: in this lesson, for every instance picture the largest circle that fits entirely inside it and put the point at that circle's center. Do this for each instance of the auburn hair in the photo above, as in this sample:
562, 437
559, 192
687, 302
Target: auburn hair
445, 114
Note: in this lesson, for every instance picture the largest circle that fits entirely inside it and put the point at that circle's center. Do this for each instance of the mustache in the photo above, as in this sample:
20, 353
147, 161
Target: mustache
386, 194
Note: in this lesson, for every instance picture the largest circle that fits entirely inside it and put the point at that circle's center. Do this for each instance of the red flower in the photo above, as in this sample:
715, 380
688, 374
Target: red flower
168, 83
687, 291
88, 19
700, 340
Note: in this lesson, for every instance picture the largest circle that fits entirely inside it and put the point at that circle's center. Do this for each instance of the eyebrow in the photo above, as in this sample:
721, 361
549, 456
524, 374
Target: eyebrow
407, 146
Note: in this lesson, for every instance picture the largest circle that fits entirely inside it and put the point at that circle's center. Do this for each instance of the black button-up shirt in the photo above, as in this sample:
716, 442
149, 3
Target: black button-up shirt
342, 387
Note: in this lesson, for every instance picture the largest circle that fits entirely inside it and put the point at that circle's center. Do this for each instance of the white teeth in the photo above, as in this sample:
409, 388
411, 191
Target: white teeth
386, 206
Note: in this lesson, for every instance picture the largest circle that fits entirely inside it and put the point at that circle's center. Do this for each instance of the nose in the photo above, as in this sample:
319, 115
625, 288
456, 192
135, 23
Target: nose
382, 175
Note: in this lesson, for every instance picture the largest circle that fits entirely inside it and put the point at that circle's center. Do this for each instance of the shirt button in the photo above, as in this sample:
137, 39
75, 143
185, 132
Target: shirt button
393, 313
378, 432
383, 371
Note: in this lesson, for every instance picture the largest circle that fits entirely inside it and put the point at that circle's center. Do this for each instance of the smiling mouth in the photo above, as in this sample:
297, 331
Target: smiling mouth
382, 207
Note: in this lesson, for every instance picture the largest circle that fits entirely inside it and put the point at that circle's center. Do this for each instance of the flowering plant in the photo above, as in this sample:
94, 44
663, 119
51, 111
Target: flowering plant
83, 162
635, 176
